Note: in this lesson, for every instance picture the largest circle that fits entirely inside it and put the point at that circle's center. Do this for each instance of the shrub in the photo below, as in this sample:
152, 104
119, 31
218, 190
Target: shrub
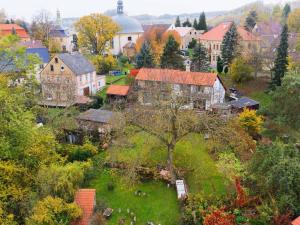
251, 122
240, 71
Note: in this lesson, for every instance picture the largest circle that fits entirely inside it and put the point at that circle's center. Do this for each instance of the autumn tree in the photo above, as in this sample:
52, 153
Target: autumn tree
145, 57
157, 38
95, 31
54, 211
171, 58
200, 60
240, 70
219, 217
251, 122
294, 21
41, 26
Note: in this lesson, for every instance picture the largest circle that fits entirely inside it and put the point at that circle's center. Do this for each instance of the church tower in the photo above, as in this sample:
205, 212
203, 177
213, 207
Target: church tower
120, 7
58, 18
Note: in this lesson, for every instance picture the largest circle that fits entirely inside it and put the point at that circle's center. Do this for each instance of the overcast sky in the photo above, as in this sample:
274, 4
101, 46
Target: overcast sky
75, 8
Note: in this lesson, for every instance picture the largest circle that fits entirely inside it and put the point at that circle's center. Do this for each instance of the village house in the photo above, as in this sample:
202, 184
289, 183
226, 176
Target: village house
213, 39
131, 30
86, 200
8, 29
187, 35
69, 78
200, 90
117, 93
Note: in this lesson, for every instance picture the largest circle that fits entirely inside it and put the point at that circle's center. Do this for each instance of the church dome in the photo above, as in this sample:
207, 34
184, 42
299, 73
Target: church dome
128, 24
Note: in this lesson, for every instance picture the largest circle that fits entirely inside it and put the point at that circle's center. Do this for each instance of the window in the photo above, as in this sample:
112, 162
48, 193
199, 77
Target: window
52, 68
41, 66
62, 68
112, 43
195, 33
56, 60
190, 33
129, 38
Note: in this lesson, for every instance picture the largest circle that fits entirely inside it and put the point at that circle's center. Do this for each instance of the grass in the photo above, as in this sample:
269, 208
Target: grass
113, 79
191, 154
263, 98
160, 205
118, 80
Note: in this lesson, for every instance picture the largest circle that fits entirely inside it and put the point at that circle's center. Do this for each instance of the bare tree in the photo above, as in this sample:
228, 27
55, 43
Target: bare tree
41, 26
168, 117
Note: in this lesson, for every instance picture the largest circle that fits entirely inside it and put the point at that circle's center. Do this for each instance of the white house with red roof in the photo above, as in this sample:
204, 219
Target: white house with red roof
8, 29
187, 35
200, 90
213, 39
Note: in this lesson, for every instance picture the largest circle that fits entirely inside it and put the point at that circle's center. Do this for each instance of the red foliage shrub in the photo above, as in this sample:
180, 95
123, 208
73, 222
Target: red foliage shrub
282, 219
134, 72
241, 198
219, 217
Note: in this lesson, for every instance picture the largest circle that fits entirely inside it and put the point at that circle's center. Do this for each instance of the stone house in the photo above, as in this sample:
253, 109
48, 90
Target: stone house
69, 79
199, 90
212, 40
187, 35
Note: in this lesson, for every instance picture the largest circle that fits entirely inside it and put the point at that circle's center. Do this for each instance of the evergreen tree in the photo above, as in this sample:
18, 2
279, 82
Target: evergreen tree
187, 23
202, 25
281, 61
286, 11
145, 57
171, 58
251, 21
229, 45
195, 24
200, 59
177, 23
220, 65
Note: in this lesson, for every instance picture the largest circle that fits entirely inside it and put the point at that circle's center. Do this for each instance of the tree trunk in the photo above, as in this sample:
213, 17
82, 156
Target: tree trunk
170, 163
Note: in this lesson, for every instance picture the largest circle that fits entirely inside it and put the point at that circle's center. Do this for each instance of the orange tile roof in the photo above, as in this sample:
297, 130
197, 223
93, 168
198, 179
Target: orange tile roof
85, 199
6, 29
177, 77
296, 221
121, 90
218, 33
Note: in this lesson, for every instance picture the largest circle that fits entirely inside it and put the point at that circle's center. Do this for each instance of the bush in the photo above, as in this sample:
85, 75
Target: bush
241, 71
104, 64
251, 122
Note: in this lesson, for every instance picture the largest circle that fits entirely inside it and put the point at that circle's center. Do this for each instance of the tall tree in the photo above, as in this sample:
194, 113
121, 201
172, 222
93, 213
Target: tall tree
200, 59
229, 45
195, 24
281, 61
202, 25
220, 66
286, 11
95, 31
187, 23
145, 57
171, 58
251, 20
178, 23
41, 26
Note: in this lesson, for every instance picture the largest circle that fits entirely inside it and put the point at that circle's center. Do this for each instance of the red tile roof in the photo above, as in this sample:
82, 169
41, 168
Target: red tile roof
85, 199
218, 33
120, 90
296, 221
6, 29
177, 77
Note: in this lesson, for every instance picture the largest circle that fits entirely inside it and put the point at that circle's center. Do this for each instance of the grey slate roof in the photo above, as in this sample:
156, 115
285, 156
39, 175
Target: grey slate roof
243, 102
77, 63
96, 115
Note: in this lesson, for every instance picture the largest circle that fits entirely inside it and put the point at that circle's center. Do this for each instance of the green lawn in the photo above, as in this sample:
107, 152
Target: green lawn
160, 204
190, 154
263, 98
113, 79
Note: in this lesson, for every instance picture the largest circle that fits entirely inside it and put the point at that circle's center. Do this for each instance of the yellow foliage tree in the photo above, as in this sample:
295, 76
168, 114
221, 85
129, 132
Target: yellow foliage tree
157, 39
251, 122
95, 32
54, 211
294, 20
